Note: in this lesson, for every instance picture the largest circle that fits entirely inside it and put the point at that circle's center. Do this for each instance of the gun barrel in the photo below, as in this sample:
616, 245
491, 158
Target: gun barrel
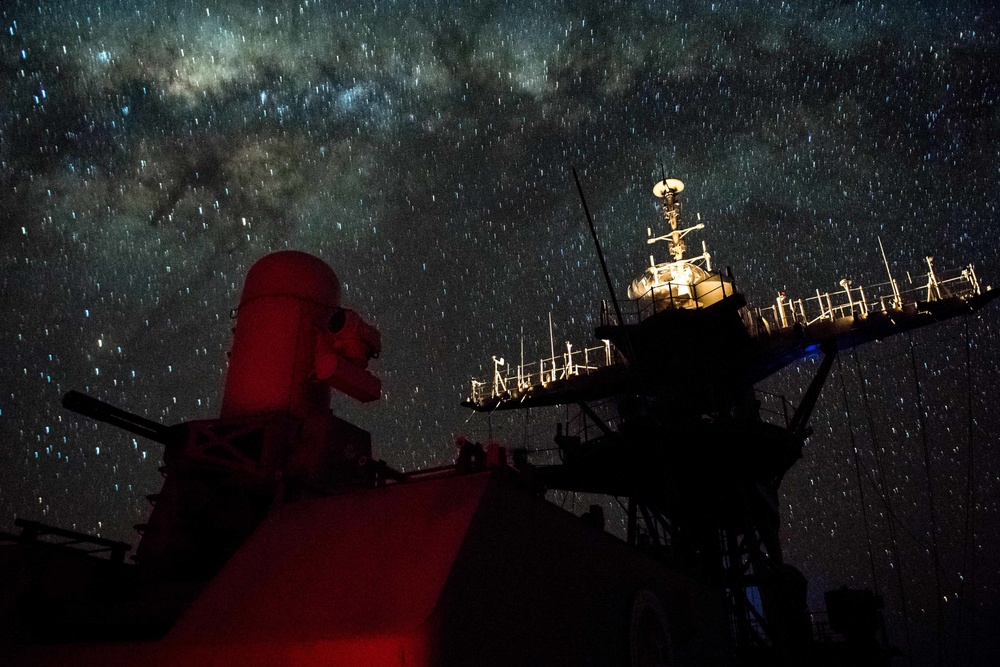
109, 414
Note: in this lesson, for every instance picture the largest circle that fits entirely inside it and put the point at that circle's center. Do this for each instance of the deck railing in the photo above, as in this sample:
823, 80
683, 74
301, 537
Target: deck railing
673, 296
881, 297
510, 381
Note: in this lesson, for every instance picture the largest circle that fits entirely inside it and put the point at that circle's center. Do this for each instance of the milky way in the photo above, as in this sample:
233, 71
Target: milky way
150, 152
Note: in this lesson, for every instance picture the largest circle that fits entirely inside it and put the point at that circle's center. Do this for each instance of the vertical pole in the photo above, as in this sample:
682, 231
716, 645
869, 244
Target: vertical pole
552, 347
933, 291
604, 268
846, 284
897, 302
552, 344
975, 280
520, 368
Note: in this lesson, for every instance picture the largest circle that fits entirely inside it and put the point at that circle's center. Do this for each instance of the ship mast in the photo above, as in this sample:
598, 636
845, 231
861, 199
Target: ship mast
668, 191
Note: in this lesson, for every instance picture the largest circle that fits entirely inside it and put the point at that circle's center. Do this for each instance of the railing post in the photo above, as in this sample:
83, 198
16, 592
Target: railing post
933, 291
846, 284
973, 279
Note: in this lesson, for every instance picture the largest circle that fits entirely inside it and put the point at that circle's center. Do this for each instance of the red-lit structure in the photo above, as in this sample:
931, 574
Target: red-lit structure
277, 540
293, 343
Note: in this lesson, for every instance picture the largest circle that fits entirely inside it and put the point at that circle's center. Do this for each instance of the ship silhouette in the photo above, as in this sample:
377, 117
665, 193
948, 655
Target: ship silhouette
278, 539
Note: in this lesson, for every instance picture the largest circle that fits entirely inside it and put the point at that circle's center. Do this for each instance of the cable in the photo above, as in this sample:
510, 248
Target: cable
969, 530
930, 502
894, 518
880, 486
857, 471
885, 500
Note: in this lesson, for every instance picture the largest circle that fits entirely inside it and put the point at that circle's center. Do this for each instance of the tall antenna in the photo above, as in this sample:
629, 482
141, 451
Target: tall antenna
600, 253
520, 369
668, 191
896, 300
604, 265
552, 341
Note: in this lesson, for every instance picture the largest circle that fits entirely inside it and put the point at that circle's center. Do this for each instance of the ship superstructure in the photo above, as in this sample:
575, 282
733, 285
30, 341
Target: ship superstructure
278, 539
663, 413
768, 338
679, 282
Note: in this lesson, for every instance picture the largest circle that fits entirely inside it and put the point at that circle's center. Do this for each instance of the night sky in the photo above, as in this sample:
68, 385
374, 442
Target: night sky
150, 152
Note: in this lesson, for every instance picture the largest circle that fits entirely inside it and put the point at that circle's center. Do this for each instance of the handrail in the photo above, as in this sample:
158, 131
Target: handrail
673, 296
512, 381
850, 301
33, 531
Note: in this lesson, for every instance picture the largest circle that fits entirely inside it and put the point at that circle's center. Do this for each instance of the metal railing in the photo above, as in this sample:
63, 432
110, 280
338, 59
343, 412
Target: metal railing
33, 532
849, 301
673, 296
510, 381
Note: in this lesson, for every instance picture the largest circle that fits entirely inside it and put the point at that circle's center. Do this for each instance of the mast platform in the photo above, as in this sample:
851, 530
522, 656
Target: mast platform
710, 333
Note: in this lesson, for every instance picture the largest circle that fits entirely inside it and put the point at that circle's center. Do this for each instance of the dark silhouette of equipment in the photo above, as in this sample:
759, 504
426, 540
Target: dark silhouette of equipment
277, 539
680, 433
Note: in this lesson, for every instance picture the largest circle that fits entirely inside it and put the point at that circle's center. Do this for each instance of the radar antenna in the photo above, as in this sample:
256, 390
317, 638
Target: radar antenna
667, 190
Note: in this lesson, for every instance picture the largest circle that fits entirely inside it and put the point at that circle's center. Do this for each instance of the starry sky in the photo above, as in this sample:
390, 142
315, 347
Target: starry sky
151, 151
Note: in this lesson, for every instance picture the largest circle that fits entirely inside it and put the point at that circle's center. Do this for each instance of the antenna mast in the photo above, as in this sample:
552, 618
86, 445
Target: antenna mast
896, 300
667, 190
600, 253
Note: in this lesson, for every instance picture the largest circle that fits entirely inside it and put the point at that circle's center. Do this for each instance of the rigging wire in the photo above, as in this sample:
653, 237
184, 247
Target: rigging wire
857, 471
930, 502
968, 565
894, 542
891, 512
880, 485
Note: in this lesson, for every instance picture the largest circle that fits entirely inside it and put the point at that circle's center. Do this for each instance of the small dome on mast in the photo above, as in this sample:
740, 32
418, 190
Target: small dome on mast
668, 185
